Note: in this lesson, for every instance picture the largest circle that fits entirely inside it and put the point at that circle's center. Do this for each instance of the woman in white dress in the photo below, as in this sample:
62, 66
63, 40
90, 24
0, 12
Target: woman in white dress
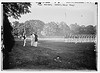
32, 39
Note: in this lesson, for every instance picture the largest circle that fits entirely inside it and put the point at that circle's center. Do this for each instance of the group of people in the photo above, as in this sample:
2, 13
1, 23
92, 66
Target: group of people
34, 39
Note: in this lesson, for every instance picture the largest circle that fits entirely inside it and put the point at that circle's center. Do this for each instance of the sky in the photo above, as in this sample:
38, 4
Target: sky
80, 13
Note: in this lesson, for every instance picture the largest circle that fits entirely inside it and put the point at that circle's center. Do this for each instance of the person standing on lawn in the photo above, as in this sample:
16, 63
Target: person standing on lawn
24, 38
32, 39
36, 39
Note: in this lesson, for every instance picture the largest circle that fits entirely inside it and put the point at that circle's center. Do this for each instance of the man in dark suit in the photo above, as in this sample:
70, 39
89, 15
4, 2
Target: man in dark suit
36, 39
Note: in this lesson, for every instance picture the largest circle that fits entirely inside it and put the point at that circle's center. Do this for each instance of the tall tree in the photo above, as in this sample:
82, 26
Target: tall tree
64, 28
90, 29
15, 28
14, 9
34, 26
50, 29
74, 28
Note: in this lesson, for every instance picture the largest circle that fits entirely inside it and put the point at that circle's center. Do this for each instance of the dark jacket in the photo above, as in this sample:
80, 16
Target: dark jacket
24, 36
36, 37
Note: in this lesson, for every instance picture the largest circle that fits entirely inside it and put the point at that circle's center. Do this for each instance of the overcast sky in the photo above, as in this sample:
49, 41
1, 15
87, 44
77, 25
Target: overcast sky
80, 13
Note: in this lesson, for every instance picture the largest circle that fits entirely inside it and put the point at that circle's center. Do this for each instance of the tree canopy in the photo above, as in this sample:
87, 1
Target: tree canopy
29, 26
15, 9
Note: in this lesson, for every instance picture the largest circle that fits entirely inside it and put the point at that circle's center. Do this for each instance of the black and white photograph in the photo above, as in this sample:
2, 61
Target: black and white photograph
50, 35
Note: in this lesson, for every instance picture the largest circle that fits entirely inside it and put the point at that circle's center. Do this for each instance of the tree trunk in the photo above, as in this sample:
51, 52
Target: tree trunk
8, 41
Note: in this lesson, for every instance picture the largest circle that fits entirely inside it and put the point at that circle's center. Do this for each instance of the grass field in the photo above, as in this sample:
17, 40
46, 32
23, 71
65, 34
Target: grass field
54, 55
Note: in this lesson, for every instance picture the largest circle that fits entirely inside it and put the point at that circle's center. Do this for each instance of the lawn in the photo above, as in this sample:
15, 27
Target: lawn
51, 55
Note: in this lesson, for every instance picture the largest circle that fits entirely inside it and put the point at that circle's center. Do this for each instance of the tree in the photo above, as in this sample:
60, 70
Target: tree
56, 29
77, 29
64, 28
34, 26
14, 9
90, 29
74, 28
15, 28
50, 29
18, 28
82, 30
21, 28
28, 28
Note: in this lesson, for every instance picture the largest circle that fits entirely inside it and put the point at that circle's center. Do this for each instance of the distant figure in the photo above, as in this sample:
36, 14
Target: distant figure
36, 40
24, 38
32, 39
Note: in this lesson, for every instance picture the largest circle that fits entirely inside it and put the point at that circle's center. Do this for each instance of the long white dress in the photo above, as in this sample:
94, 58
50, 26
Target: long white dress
32, 39
35, 43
